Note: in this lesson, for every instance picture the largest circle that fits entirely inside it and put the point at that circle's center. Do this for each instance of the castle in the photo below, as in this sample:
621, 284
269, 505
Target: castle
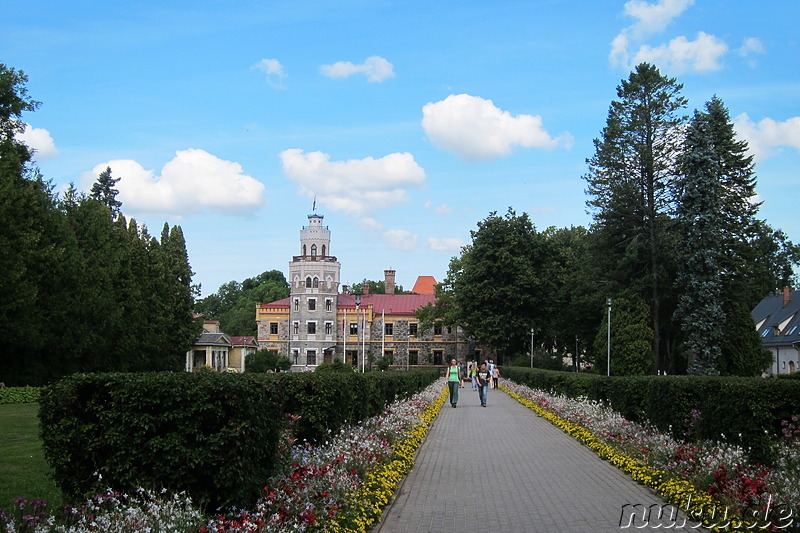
321, 321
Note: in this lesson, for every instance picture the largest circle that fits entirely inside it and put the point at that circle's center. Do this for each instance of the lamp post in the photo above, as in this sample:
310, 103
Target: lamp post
531, 347
576, 353
609, 301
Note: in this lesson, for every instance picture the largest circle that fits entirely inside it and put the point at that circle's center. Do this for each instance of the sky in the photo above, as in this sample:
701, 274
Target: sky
403, 123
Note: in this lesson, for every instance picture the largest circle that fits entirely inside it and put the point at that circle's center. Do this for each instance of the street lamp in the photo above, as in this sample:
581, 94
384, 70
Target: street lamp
609, 301
531, 347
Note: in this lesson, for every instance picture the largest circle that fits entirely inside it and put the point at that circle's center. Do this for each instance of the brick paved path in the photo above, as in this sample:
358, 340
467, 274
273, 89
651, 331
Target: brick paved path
503, 469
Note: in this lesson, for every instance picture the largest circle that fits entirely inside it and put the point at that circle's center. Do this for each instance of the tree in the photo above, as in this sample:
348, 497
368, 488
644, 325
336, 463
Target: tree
629, 185
104, 192
701, 226
266, 361
503, 283
631, 339
234, 303
14, 101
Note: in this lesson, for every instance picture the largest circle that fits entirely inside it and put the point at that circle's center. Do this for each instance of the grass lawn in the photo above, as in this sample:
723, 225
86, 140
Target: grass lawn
23, 470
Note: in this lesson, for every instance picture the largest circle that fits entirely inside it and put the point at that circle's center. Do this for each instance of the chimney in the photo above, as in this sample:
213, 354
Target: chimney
786, 296
345, 289
388, 276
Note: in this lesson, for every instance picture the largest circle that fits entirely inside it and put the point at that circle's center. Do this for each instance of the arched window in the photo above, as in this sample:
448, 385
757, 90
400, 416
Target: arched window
304, 249
323, 250
308, 282
316, 282
313, 250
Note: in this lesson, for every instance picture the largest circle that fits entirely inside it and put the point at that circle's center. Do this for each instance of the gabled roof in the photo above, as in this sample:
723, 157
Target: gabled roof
424, 285
208, 339
247, 340
778, 324
395, 304
277, 304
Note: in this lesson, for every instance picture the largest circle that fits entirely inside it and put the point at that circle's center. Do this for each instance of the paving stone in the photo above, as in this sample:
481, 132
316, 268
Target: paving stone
503, 469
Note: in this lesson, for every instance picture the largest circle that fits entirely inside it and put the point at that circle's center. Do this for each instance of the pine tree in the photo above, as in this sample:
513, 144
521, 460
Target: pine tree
629, 183
104, 192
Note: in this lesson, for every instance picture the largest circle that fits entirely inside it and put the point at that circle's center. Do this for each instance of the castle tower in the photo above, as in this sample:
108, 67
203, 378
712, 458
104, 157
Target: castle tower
314, 279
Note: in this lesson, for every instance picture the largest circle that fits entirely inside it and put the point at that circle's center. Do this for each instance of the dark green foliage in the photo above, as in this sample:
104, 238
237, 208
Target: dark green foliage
744, 411
502, 285
336, 366
629, 182
234, 304
104, 192
328, 401
19, 395
213, 435
742, 353
631, 339
265, 361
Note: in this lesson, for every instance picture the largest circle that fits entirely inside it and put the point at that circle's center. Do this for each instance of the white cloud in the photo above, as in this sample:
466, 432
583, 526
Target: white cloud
375, 68
400, 239
475, 129
193, 181
370, 224
679, 55
751, 46
767, 134
447, 244
653, 18
39, 140
274, 71
354, 186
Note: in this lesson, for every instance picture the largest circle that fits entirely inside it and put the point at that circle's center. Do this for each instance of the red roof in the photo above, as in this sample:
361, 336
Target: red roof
242, 341
396, 304
277, 304
424, 285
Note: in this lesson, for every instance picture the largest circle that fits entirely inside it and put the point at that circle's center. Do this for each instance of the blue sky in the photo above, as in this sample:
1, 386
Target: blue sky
408, 121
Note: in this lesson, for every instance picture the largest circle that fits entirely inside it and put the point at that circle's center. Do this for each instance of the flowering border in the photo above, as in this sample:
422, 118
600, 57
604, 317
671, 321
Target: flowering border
699, 505
365, 506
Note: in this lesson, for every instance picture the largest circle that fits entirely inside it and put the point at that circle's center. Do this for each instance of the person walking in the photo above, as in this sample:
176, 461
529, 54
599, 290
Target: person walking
495, 376
484, 377
473, 374
490, 367
453, 381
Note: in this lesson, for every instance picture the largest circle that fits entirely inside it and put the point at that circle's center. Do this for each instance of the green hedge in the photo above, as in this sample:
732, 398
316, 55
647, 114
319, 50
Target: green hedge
327, 402
19, 395
213, 435
745, 411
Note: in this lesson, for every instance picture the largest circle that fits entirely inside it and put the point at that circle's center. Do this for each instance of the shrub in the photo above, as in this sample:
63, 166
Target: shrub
19, 395
213, 435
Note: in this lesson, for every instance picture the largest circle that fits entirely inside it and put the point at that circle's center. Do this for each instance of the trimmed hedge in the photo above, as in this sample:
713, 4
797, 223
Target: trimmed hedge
745, 411
19, 395
327, 402
214, 435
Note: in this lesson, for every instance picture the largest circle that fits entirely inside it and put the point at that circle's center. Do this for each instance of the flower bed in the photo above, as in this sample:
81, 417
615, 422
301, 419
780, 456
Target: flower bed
710, 481
341, 486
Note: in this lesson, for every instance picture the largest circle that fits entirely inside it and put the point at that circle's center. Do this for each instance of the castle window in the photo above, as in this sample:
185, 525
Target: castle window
388, 328
304, 249
273, 328
296, 328
412, 329
328, 328
312, 328
312, 304
308, 282
323, 250
316, 282
296, 304
328, 304
437, 328
311, 357
313, 250
353, 328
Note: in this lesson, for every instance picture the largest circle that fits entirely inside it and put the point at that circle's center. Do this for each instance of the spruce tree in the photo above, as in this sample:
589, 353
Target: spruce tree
104, 192
700, 224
